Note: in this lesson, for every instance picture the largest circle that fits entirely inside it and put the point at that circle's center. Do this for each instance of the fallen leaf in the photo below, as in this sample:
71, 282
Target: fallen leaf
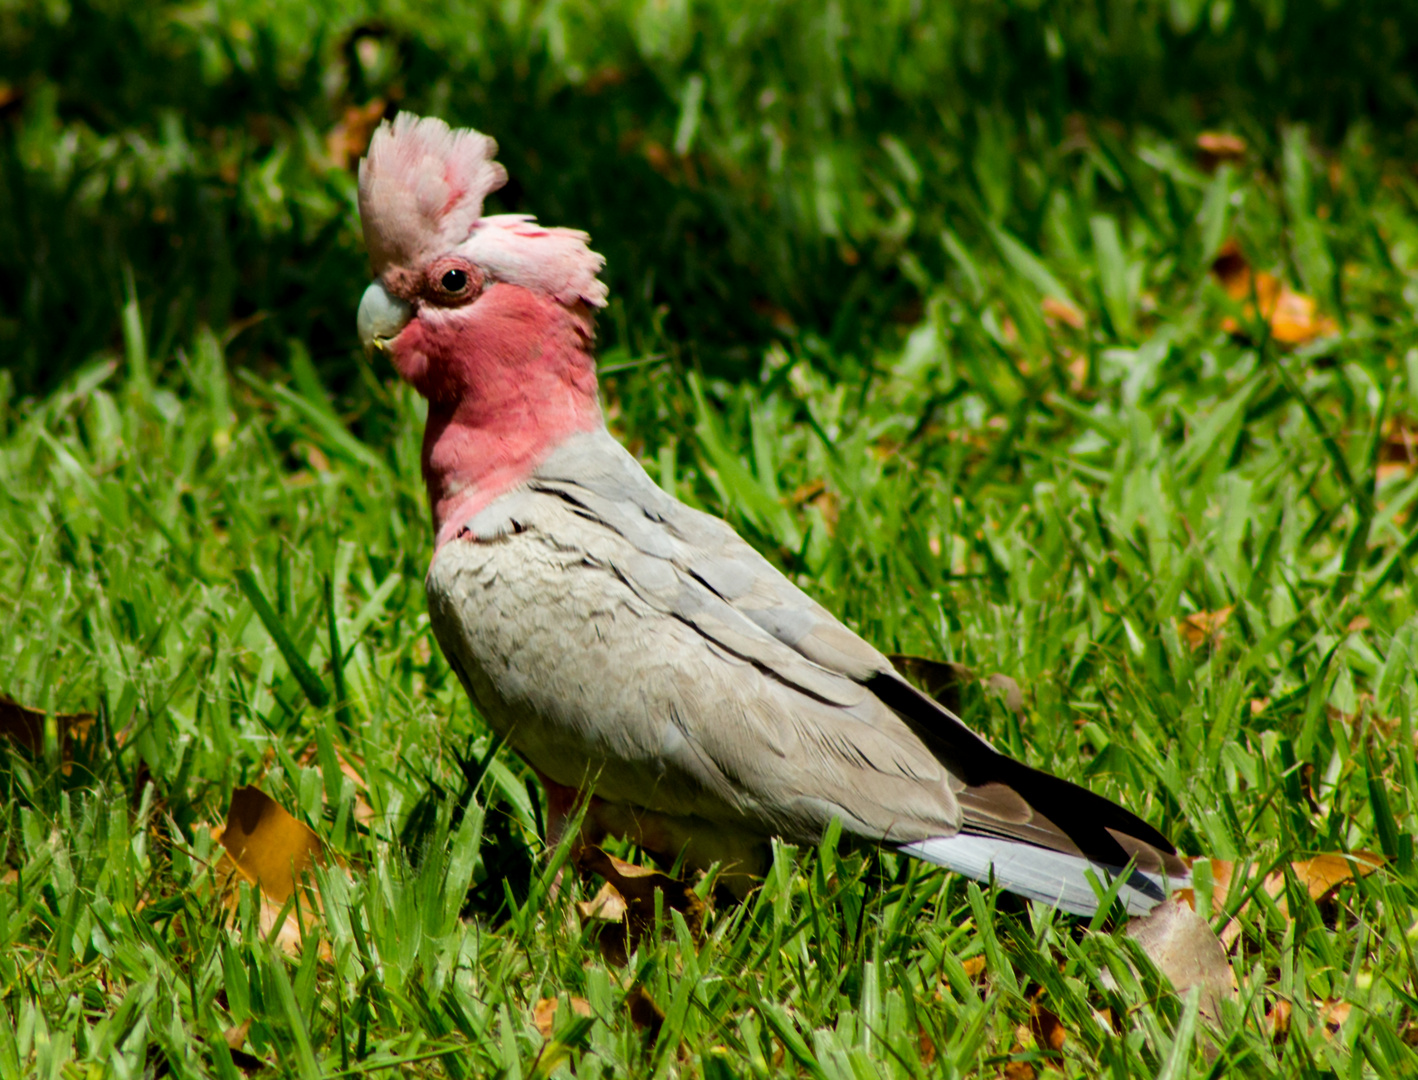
25, 727
1215, 147
235, 1039
974, 967
268, 846
1058, 310
1293, 317
235, 1036
1398, 452
1048, 1030
607, 905
644, 1013
544, 1013
1203, 627
1186, 950
270, 849
624, 923
925, 1047
1320, 876
1019, 1070
1077, 368
1324, 873
1279, 1020
349, 139
1009, 690
1334, 1013
1331, 1014
817, 494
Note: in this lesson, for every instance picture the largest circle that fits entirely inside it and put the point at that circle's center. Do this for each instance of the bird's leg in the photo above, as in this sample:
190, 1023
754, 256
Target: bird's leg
561, 811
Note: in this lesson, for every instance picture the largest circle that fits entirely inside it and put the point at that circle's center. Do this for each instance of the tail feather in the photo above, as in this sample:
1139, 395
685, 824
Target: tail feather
1035, 833
1052, 877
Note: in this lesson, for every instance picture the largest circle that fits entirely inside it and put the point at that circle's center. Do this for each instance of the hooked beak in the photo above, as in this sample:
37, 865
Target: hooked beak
380, 318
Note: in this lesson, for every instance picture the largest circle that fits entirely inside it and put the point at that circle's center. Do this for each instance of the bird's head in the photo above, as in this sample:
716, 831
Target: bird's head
489, 318
456, 294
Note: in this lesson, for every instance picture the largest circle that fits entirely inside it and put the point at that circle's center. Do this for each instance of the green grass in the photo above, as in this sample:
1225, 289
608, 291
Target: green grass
218, 546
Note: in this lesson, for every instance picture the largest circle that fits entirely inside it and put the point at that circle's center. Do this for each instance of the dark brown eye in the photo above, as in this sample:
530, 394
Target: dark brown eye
454, 281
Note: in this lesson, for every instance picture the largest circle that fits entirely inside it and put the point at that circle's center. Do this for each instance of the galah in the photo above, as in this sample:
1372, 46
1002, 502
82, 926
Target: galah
639, 652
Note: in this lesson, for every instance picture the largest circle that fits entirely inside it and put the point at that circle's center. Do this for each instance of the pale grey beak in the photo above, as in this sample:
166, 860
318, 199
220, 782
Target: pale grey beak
380, 318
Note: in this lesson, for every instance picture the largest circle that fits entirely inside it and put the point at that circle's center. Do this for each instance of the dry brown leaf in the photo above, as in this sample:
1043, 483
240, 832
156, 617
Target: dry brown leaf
817, 494
25, 726
1327, 872
1215, 147
235, 1039
1398, 453
925, 1047
544, 1013
974, 967
265, 844
1320, 876
236, 1036
644, 1013
607, 905
1186, 950
1058, 310
1293, 317
1048, 1030
349, 139
1332, 1014
1279, 1020
1203, 627
1019, 1070
270, 849
635, 886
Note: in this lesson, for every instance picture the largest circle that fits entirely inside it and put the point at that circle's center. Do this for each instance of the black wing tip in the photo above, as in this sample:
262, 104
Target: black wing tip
1088, 819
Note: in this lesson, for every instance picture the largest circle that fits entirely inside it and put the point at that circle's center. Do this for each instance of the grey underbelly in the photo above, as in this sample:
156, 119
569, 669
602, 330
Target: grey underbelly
572, 669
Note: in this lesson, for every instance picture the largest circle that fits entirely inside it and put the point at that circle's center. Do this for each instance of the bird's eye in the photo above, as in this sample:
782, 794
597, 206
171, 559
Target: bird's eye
454, 281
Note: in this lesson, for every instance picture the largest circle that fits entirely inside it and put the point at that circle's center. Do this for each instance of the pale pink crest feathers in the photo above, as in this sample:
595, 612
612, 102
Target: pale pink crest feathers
421, 190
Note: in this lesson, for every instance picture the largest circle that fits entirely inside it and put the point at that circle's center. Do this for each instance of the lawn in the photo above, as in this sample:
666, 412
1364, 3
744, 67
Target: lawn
968, 319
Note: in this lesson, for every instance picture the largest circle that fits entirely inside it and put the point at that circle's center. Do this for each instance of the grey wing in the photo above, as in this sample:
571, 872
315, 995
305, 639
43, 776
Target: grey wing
602, 661
596, 475
1001, 799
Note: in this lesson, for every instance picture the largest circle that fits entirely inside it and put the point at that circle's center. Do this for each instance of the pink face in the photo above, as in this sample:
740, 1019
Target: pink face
437, 295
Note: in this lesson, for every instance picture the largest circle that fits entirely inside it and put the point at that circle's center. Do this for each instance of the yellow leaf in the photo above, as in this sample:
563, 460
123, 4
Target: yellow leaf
265, 844
1203, 627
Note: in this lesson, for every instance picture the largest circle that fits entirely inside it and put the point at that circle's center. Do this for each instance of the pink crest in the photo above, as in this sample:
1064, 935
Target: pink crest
421, 190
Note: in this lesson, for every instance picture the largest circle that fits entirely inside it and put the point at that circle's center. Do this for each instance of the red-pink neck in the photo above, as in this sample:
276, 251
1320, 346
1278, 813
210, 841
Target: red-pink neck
508, 379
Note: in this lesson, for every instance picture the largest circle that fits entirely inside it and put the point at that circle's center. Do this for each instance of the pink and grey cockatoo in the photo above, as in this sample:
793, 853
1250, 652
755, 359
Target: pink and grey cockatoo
635, 649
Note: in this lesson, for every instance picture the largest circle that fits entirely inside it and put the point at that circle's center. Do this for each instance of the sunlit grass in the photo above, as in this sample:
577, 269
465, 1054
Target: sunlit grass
227, 568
